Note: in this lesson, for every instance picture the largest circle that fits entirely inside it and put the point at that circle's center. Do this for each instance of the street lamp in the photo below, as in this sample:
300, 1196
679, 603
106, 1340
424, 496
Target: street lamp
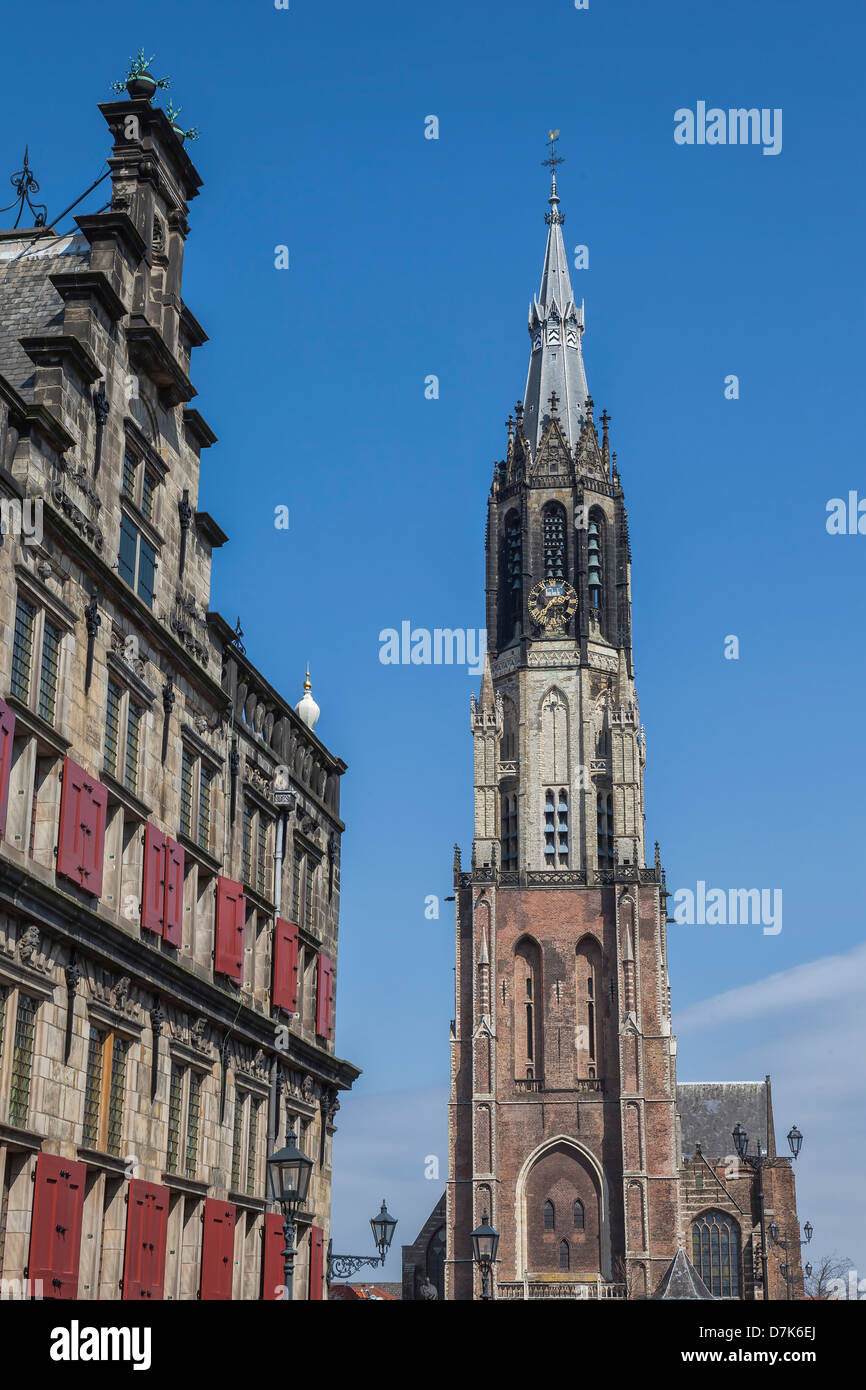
383, 1226
289, 1173
758, 1162
809, 1229
485, 1243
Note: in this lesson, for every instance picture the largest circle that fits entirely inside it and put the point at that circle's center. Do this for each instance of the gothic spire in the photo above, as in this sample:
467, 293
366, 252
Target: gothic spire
555, 329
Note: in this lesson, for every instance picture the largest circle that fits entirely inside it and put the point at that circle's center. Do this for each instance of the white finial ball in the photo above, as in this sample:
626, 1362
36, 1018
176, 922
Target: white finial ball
306, 709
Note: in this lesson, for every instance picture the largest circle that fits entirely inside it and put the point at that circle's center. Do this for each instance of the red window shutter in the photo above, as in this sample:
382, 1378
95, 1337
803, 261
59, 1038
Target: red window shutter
55, 1228
317, 1239
273, 1267
7, 733
285, 995
324, 988
146, 1231
81, 841
174, 865
153, 884
97, 816
218, 1249
230, 925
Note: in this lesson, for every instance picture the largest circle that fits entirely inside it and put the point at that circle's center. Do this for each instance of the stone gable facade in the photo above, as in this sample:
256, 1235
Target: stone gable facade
170, 852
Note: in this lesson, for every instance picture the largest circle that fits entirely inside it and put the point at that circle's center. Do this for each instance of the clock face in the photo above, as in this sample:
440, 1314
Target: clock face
551, 603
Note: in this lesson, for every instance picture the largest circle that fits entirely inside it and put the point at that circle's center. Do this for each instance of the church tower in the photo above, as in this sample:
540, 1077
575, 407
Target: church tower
563, 1120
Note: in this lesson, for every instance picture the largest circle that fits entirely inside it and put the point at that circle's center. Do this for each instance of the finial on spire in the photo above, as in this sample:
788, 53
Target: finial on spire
308, 685
554, 402
551, 162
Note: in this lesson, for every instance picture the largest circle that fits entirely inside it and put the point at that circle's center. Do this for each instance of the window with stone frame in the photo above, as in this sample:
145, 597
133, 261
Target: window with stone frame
124, 736
20, 1016
716, 1253
197, 798
37, 647
137, 555
304, 868
256, 841
247, 1141
105, 1091
185, 1104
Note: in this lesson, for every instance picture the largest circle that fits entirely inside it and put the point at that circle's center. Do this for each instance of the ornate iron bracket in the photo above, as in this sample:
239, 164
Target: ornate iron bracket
342, 1266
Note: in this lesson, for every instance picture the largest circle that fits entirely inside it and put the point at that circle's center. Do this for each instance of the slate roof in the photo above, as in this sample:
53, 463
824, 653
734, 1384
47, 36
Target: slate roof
29, 303
709, 1110
681, 1280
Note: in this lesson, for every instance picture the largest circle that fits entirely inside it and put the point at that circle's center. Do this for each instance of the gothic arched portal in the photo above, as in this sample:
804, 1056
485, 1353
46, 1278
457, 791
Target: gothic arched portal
560, 1183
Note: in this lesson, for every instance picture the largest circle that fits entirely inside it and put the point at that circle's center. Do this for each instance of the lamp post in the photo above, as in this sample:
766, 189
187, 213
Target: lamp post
783, 1245
485, 1243
758, 1162
289, 1173
383, 1226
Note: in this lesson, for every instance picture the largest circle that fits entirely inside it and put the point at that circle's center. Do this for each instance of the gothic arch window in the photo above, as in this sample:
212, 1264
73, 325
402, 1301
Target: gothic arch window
587, 992
716, 1253
509, 830
553, 528
508, 742
511, 597
579, 1216
527, 1009
564, 1256
604, 814
549, 1215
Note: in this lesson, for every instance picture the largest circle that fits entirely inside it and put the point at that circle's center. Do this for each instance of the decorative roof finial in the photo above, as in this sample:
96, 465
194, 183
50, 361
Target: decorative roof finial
306, 708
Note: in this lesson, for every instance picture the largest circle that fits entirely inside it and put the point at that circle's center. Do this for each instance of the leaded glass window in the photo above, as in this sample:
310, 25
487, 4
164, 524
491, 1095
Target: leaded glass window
192, 1123
549, 1215
262, 855
564, 1256
133, 743
117, 1090
204, 807
22, 648
187, 764
716, 1253
112, 726
174, 1101
237, 1140
579, 1217
252, 1147
51, 639
92, 1089
22, 1061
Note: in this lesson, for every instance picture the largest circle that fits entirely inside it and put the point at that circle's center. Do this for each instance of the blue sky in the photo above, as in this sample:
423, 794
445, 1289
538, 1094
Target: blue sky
410, 257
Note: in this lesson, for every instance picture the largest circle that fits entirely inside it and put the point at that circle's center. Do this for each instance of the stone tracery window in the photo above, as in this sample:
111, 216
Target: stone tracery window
716, 1253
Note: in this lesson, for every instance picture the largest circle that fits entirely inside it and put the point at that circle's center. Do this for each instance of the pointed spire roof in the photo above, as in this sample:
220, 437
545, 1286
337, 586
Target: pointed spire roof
682, 1281
555, 328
